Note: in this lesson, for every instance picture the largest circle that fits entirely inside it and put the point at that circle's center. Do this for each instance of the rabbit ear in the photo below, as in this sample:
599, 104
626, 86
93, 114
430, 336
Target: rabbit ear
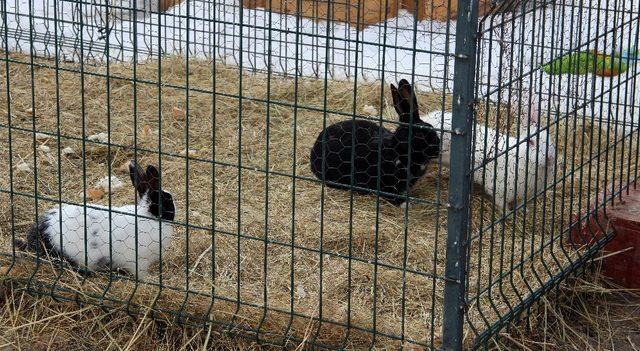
533, 113
405, 101
153, 178
406, 91
533, 121
396, 99
138, 178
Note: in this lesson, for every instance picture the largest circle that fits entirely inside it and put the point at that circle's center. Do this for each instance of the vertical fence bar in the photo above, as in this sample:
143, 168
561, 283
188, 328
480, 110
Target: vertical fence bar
460, 175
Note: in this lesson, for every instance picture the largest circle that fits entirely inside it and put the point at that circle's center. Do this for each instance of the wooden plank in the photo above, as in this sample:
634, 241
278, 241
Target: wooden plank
361, 13
164, 5
372, 11
440, 10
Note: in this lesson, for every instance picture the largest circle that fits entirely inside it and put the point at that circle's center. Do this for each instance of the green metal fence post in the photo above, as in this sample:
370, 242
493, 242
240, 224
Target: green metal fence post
460, 175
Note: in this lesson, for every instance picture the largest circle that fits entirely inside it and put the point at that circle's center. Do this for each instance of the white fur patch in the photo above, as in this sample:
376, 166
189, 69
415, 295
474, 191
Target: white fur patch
120, 234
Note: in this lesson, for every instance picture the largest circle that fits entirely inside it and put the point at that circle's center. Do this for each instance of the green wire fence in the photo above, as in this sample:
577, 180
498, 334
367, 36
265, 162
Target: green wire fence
296, 193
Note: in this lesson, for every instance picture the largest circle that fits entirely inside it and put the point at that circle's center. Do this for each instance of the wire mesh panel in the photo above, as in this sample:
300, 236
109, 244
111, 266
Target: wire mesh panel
555, 140
205, 116
239, 34
340, 174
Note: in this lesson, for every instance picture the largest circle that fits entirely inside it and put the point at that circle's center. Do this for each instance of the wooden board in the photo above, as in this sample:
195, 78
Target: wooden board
440, 10
371, 11
360, 13
164, 5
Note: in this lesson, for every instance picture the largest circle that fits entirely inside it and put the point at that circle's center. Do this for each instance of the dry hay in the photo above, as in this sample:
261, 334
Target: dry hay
585, 315
35, 323
293, 261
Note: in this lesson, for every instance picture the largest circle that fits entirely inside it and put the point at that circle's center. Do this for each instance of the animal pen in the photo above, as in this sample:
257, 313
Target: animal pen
535, 104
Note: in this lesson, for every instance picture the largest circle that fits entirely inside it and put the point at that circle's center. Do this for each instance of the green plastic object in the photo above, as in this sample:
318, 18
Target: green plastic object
573, 63
587, 62
609, 66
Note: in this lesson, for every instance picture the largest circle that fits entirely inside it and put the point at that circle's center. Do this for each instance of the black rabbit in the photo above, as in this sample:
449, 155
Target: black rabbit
379, 153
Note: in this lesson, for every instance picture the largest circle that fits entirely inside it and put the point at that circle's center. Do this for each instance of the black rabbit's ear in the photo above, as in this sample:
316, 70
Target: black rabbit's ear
405, 101
138, 178
153, 178
397, 100
403, 84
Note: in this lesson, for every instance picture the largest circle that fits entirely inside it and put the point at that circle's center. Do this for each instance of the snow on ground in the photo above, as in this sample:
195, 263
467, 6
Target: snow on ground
257, 39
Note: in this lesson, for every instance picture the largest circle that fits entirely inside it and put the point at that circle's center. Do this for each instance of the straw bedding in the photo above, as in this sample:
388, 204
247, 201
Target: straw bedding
292, 250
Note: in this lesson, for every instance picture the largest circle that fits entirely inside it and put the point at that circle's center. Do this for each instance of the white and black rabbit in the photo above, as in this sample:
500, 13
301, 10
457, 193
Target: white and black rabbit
500, 166
378, 154
153, 205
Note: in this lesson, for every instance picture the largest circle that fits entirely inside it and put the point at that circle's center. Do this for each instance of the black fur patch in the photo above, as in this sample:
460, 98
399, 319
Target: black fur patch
38, 241
168, 208
103, 263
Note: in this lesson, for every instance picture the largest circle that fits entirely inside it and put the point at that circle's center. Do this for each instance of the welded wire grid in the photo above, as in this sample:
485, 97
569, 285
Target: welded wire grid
227, 102
230, 32
260, 246
592, 122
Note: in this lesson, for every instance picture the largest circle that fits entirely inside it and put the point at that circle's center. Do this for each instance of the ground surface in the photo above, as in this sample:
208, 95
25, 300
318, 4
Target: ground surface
590, 316
254, 227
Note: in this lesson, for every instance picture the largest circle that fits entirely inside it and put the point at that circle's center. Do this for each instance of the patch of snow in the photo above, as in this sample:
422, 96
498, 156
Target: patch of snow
103, 184
44, 148
100, 137
23, 167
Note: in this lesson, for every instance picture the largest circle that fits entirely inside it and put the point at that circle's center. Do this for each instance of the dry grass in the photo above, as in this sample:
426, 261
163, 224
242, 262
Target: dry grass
284, 257
40, 323
587, 314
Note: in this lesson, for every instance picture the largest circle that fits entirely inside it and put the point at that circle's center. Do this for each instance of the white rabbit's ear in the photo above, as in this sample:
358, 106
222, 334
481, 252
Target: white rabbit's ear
534, 116
525, 107
138, 178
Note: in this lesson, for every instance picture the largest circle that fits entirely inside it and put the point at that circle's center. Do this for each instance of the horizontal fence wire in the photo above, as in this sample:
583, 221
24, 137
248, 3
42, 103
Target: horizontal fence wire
266, 173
